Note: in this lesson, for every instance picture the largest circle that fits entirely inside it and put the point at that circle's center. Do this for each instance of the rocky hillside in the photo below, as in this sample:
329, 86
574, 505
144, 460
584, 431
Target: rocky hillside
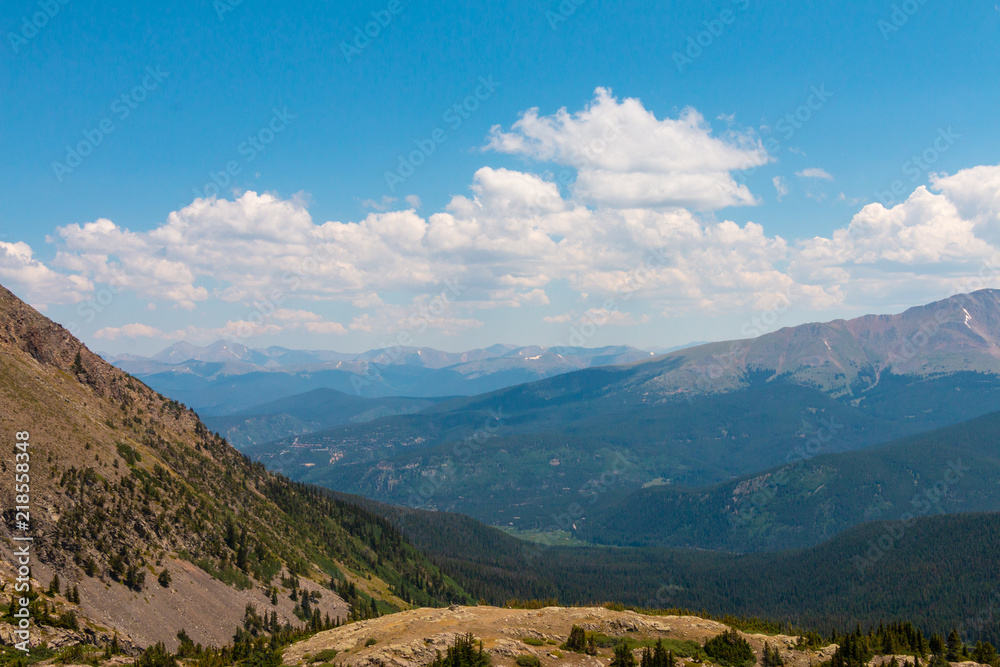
154, 524
960, 333
413, 638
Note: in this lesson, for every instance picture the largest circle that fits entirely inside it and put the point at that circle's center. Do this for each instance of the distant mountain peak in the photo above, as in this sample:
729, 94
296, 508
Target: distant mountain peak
959, 333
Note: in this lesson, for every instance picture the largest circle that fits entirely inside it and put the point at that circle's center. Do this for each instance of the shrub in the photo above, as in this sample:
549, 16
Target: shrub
730, 650
527, 660
156, 656
326, 655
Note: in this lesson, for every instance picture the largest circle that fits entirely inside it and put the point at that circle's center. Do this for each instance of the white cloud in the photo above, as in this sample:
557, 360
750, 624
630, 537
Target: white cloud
325, 328
780, 186
815, 172
626, 157
933, 243
515, 239
557, 319
295, 316
505, 243
606, 317
380, 205
134, 330
42, 286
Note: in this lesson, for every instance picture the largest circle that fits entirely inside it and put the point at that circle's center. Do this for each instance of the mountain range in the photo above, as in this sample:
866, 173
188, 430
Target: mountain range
227, 377
154, 525
519, 456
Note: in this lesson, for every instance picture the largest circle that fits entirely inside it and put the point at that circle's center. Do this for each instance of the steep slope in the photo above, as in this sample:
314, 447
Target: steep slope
126, 484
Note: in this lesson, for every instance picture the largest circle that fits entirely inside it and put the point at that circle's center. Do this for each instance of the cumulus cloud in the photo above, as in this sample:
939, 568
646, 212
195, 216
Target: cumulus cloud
627, 227
941, 239
41, 285
503, 245
626, 157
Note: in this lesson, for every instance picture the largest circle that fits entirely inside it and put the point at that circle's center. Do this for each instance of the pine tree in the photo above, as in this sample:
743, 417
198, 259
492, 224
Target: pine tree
577, 640
984, 653
77, 366
772, 657
956, 649
623, 656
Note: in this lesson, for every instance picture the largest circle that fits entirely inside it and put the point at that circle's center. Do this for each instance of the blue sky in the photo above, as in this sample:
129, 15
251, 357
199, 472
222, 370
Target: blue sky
676, 198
